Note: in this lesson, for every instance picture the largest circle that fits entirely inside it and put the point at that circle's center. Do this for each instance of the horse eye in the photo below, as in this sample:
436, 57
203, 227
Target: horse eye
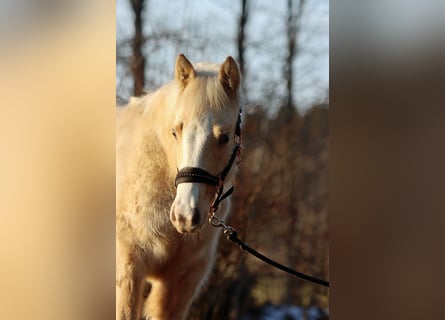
174, 133
223, 138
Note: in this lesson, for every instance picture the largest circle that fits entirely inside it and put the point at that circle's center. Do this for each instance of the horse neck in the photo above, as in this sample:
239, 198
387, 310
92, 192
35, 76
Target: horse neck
157, 123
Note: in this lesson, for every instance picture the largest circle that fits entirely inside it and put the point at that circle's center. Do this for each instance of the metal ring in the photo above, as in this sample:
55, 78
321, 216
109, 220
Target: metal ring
215, 221
228, 230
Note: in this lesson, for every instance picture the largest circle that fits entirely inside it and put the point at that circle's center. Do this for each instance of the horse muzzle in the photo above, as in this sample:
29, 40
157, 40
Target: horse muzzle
189, 207
185, 221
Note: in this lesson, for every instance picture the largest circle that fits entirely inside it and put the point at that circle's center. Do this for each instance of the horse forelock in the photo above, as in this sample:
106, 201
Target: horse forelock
205, 93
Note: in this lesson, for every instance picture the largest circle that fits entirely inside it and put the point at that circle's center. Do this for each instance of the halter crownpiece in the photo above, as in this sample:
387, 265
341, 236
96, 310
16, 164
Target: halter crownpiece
198, 175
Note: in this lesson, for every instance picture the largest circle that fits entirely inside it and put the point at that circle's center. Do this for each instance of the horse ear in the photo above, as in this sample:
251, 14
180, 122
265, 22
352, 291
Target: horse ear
230, 77
184, 71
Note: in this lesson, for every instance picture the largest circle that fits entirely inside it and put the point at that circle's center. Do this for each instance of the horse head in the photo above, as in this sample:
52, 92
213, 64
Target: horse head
204, 133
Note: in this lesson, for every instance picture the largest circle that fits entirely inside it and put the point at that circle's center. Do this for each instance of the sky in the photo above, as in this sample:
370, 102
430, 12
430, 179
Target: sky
213, 24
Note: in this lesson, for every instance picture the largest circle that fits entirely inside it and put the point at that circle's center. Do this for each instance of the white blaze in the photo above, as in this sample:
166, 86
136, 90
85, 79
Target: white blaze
194, 138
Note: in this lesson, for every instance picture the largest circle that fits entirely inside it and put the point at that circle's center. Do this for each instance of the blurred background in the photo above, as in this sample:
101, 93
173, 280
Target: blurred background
386, 156
280, 201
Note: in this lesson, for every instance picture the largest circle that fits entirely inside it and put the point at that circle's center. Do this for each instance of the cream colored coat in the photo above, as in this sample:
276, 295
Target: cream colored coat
156, 243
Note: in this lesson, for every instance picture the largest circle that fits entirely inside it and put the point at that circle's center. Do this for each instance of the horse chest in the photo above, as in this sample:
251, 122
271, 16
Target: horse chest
181, 252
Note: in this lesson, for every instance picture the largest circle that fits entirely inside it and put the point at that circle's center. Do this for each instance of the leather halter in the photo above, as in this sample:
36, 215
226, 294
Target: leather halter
198, 175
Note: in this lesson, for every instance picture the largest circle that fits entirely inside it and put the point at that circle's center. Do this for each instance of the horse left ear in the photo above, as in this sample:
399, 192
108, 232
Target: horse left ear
230, 77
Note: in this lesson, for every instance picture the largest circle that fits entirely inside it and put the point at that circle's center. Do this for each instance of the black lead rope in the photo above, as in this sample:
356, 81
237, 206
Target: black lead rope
233, 236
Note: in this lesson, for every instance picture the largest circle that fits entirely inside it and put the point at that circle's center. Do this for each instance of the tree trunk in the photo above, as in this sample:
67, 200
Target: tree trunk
293, 25
138, 59
241, 40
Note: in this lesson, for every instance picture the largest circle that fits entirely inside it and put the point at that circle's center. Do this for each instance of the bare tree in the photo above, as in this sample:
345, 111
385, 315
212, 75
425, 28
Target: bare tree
294, 15
138, 59
241, 39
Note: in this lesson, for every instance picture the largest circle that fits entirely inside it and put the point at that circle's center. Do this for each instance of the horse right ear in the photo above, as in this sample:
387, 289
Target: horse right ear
184, 71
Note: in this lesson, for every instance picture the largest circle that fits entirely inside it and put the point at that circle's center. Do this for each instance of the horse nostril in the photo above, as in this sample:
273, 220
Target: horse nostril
196, 218
181, 219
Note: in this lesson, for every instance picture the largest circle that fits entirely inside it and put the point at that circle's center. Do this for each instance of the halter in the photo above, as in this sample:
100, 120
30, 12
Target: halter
198, 175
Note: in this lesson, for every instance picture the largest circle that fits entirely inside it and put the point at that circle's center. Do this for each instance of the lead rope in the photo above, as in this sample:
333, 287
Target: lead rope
232, 235
230, 232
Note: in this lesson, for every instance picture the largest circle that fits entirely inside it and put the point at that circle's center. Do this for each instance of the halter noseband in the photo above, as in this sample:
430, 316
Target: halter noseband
192, 174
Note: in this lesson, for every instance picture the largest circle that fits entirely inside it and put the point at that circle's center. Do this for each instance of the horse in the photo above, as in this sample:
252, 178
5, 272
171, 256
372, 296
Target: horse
172, 146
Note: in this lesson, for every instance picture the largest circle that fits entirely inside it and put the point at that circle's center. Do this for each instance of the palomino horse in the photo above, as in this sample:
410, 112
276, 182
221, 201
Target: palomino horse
182, 134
